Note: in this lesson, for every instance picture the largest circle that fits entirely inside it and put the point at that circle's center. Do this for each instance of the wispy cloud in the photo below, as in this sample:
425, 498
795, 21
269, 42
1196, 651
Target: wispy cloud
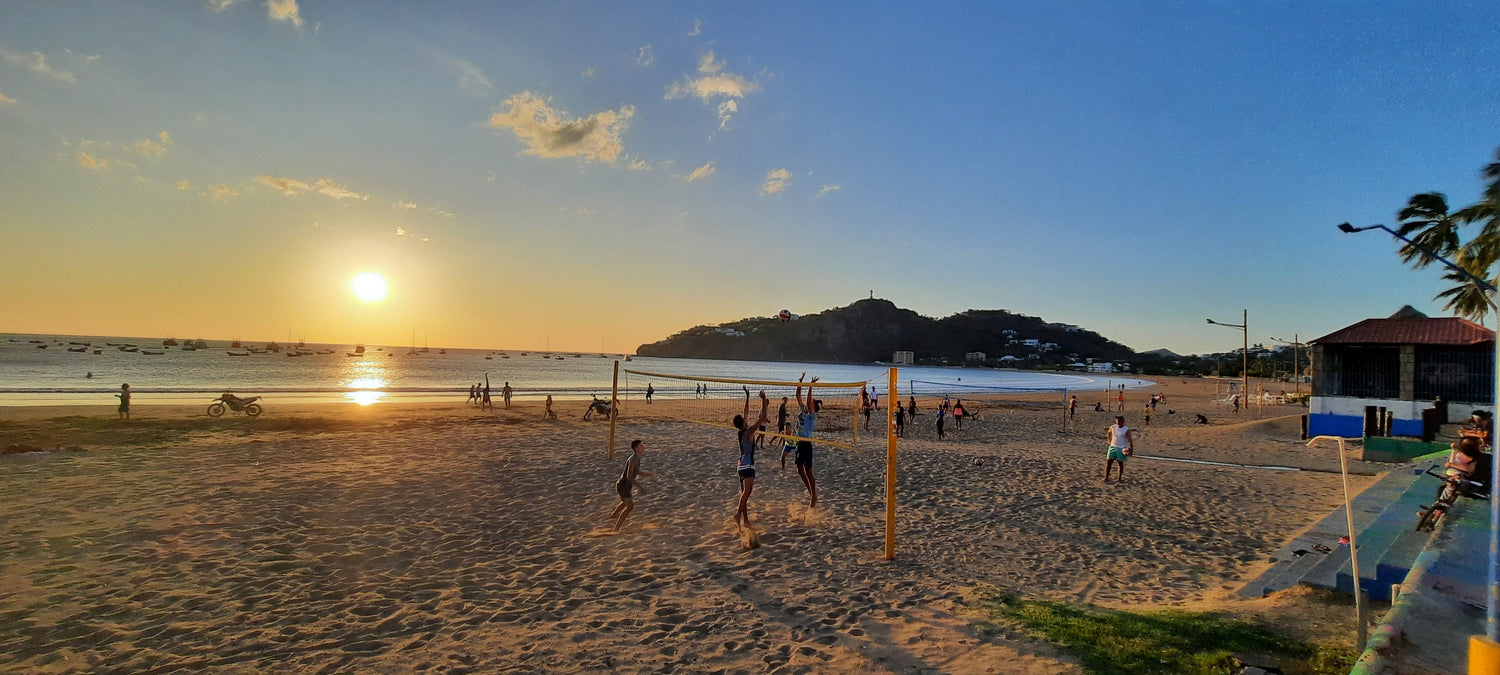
220, 5
221, 193
589, 71
439, 212
153, 148
285, 10
712, 83
776, 181
90, 162
644, 56
697, 28
470, 77
549, 132
6, 100
701, 172
403, 205
184, 184
400, 231
827, 189
36, 62
584, 211
292, 187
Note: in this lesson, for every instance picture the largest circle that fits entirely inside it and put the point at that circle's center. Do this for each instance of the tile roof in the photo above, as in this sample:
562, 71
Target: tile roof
1411, 331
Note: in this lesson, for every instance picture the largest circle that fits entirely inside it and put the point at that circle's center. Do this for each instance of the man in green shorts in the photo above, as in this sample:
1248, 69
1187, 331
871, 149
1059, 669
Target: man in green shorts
1121, 447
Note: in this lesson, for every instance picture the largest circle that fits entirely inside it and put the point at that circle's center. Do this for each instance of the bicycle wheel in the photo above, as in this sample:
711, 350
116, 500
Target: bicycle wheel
1429, 519
253, 410
215, 410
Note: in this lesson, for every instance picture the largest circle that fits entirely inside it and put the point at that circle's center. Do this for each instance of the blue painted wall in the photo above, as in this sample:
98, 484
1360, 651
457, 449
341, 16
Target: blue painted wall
1408, 428
1347, 426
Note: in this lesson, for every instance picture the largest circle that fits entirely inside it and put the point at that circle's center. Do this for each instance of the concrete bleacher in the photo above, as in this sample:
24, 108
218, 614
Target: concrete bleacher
1385, 516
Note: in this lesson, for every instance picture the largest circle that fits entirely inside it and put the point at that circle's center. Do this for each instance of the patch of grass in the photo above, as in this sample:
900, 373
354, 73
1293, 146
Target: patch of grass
1111, 642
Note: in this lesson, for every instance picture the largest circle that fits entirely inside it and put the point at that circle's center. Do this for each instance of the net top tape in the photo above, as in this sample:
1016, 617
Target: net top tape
997, 389
758, 383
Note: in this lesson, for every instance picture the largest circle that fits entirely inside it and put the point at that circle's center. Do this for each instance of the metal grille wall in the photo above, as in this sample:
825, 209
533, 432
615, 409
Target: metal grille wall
1466, 376
1365, 372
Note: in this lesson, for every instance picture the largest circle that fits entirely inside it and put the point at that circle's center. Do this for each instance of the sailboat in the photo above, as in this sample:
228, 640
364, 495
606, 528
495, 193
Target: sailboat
413, 351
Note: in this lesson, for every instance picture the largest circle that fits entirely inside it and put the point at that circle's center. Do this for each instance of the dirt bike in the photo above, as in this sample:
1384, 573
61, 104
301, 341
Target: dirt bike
601, 407
235, 403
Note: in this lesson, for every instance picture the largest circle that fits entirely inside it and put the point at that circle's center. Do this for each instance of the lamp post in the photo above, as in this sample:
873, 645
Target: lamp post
1492, 610
1297, 374
1244, 353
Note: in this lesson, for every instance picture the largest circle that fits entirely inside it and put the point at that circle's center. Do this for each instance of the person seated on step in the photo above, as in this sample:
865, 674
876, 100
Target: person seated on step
1479, 425
1469, 461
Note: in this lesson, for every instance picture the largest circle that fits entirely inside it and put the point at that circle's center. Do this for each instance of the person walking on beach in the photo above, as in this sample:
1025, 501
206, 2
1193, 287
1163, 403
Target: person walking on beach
958, 414
1121, 398
911, 407
1121, 447
807, 419
650, 390
473, 393
547, 413
900, 420
745, 435
505, 393
942, 411
124, 397
628, 482
1072, 406
1147, 416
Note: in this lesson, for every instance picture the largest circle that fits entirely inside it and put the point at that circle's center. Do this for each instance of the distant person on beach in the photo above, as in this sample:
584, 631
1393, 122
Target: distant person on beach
1098, 407
1121, 447
472, 394
1121, 398
1072, 406
89, 376
628, 482
745, 435
942, 411
1147, 414
874, 398
867, 410
505, 393
807, 419
486, 404
911, 407
900, 420
958, 414
124, 397
1200, 419
1236, 403
650, 391
547, 413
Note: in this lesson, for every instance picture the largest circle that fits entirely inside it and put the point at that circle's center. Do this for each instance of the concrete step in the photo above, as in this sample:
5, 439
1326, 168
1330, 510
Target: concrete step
1368, 507
1376, 541
1393, 567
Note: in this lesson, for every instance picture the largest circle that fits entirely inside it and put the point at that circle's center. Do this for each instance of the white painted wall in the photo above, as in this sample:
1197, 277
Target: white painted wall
1404, 410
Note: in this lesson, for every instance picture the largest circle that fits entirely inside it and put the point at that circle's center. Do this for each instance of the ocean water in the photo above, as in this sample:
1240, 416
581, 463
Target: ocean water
56, 376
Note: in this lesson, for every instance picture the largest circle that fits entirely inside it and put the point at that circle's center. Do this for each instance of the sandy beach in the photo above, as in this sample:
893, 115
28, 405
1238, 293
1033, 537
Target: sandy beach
442, 538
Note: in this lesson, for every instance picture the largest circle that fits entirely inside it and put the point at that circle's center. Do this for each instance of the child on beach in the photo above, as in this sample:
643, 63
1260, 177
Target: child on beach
746, 432
627, 482
1121, 447
1147, 414
124, 397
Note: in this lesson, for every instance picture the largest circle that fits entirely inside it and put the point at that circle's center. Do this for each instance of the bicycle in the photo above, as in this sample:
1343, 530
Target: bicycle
1454, 486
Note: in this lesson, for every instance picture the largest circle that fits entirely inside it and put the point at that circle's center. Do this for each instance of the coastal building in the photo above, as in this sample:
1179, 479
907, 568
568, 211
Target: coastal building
974, 357
1101, 366
1404, 364
902, 359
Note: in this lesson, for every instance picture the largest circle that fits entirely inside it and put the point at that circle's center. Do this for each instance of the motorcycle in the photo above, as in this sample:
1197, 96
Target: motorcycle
601, 407
235, 403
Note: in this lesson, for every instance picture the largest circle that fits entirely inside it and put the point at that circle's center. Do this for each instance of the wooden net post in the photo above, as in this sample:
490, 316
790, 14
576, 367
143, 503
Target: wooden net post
890, 474
614, 409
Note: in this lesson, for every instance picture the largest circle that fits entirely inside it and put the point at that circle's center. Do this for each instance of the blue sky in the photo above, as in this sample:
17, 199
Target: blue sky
587, 174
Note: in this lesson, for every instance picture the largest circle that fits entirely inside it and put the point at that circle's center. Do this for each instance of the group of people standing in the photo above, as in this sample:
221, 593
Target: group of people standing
479, 394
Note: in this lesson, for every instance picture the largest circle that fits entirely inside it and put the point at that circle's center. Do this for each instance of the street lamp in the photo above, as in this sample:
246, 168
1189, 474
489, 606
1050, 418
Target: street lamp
1492, 611
1244, 362
1295, 343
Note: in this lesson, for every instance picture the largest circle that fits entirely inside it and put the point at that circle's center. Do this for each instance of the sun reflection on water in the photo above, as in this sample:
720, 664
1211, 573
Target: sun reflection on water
366, 379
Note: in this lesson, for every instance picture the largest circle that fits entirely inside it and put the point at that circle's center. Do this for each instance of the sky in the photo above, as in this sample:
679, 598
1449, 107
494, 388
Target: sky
594, 176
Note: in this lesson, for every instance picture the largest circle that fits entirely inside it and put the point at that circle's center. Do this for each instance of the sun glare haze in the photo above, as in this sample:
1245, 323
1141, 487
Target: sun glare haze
369, 287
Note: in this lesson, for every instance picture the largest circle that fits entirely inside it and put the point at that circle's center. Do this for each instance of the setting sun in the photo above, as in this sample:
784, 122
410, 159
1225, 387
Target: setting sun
369, 287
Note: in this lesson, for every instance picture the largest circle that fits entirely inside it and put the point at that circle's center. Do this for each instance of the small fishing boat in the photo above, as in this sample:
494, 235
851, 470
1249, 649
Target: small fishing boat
169, 342
238, 353
359, 350
150, 352
235, 344
293, 353
200, 344
98, 351
490, 358
78, 349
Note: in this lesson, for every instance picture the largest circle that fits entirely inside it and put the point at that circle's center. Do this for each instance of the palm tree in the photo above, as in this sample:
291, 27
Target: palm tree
1427, 221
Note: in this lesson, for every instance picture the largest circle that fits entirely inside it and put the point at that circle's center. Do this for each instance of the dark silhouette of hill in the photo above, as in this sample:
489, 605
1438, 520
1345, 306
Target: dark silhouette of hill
872, 330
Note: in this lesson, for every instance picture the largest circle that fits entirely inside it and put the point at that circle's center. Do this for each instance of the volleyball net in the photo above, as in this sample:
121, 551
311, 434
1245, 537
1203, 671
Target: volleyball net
714, 401
980, 400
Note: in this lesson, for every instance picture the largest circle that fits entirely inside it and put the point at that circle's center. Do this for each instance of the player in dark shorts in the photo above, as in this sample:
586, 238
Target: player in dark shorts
628, 481
746, 469
787, 446
806, 420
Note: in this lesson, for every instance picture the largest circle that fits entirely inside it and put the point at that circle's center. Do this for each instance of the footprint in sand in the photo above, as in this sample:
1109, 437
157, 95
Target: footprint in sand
601, 532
